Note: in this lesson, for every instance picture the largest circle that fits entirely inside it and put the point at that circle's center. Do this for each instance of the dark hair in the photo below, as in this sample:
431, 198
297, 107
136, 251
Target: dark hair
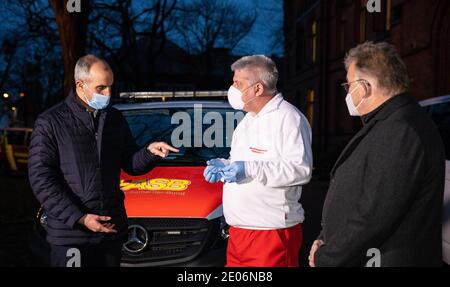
381, 61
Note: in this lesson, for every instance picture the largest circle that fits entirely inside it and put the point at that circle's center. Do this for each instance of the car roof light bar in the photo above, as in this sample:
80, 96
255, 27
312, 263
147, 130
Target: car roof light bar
174, 94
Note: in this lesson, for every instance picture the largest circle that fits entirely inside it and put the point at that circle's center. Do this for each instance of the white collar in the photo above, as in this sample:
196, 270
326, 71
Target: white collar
271, 105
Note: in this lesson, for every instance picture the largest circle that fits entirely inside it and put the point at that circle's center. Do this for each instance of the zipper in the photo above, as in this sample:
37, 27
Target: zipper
98, 158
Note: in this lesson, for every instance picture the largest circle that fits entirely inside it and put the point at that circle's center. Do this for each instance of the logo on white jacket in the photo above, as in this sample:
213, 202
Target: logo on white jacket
257, 150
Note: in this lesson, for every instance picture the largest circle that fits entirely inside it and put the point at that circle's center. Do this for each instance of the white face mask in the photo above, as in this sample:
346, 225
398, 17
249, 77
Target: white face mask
235, 98
352, 109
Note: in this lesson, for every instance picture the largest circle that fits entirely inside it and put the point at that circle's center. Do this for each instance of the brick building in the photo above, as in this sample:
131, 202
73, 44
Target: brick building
318, 33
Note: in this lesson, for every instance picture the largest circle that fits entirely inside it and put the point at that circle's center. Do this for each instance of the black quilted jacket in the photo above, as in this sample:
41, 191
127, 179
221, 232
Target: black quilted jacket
74, 168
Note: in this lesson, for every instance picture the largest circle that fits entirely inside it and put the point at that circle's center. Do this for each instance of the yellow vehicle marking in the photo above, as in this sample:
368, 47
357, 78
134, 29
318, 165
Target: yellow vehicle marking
155, 184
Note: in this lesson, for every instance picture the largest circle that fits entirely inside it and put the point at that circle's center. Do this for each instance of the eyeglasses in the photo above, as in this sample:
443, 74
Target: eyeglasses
347, 85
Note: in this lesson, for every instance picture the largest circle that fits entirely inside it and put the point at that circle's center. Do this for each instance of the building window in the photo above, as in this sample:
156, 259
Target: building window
314, 41
310, 95
311, 42
380, 19
388, 14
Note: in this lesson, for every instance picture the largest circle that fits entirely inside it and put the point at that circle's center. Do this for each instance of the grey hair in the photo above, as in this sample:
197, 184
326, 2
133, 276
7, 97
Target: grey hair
84, 64
265, 70
381, 61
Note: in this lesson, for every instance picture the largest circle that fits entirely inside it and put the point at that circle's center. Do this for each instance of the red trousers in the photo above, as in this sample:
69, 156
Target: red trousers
264, 248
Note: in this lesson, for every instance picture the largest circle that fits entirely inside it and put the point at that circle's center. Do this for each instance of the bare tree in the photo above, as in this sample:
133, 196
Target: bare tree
34, 23
8, 49
31, 52
273, 10
132, 38
72, 30
131, 34
203, 25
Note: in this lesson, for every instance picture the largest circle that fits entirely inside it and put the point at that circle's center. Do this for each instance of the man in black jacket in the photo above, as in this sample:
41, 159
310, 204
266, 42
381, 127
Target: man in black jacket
77, 151
384, 202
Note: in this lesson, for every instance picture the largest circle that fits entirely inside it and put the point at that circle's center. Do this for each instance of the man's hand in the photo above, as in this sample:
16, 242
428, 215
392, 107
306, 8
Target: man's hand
161, 149
234, 172
94, 223
212, 172
316, 245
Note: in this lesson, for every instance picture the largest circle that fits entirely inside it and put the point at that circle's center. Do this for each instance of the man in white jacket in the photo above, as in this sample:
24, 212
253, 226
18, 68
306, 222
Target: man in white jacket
270, 160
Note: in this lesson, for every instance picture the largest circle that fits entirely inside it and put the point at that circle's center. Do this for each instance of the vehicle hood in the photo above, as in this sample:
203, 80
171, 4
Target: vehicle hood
172, 192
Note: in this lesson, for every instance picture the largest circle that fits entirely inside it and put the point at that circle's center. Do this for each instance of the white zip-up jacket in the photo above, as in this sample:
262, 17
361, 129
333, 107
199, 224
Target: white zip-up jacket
275, 145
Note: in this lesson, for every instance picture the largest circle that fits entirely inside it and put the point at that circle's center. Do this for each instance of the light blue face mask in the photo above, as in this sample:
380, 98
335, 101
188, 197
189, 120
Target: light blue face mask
98, 101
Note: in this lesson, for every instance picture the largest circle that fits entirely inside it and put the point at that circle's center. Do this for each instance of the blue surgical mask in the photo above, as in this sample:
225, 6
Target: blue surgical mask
98, 101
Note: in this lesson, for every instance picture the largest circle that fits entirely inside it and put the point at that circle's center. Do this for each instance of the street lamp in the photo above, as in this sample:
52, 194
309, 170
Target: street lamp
5, 95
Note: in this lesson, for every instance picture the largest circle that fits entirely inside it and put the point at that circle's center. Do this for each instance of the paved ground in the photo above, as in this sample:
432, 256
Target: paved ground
18, 208
312, 200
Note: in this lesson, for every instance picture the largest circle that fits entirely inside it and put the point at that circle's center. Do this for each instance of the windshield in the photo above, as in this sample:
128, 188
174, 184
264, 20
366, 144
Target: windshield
440, 113
199, 133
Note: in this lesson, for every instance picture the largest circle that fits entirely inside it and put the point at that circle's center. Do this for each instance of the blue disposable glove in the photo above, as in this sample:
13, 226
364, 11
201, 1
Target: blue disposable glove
234, 172
215, 162
212, 172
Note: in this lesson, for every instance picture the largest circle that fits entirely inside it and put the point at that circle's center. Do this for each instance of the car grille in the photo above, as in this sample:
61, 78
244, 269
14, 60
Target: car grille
171, 240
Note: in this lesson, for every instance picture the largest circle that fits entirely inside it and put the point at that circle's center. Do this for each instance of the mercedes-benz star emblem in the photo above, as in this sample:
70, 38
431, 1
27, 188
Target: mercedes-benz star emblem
137, 239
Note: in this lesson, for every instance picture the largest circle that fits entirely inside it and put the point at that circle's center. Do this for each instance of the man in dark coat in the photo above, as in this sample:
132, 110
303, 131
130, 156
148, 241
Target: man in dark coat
384, 202
77, 151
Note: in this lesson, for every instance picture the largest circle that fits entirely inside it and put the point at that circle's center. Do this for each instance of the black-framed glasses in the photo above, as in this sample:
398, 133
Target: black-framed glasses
347, 85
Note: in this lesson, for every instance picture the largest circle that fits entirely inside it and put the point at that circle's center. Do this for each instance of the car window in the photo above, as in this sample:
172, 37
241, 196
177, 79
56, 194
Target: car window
440, 113
200, 134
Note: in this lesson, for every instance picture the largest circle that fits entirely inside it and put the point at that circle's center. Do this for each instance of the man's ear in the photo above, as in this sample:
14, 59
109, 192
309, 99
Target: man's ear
367, 88
78, 84
259, 89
